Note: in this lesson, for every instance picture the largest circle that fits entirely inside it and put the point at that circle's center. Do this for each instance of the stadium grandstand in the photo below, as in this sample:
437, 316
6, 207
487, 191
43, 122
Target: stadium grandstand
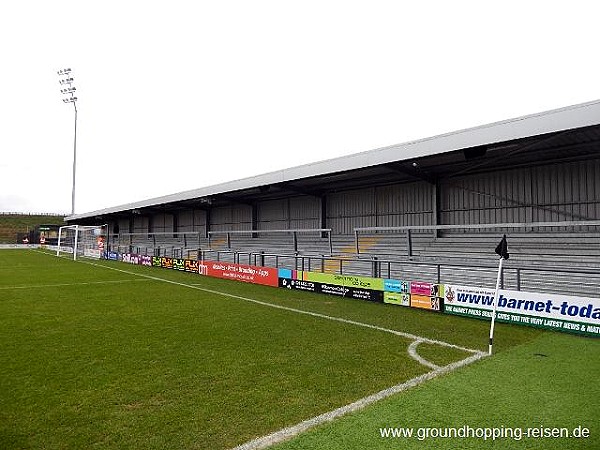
428, 209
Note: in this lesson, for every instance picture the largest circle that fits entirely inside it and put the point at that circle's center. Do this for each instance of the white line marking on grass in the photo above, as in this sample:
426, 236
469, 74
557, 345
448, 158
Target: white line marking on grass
290, 432
412, 351
83, 283
299, 311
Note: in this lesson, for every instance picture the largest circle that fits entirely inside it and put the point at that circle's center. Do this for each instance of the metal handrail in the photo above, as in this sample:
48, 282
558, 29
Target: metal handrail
578, 223
410, 228
293, 231
305, 262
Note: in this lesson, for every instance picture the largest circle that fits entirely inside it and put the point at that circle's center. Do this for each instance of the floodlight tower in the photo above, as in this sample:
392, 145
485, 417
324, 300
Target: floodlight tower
68, 90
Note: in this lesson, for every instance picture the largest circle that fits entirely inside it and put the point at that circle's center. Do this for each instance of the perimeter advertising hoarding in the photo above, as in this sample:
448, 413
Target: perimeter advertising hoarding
396, 298
166, 263
416, 294
374, 284
332, 289
179, 264
192, 266
249, 274
396, 286
299, 285
350, 292
579, 315
426, 295
132, 258
397, 292
112, 256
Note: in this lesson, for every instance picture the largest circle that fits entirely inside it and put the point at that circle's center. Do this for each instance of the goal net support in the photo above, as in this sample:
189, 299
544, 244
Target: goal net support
82, 240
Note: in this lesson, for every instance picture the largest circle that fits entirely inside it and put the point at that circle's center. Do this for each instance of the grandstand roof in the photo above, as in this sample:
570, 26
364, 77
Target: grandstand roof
572, 132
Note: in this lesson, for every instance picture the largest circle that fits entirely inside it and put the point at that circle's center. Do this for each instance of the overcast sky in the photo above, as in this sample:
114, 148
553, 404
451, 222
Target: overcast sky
179, 95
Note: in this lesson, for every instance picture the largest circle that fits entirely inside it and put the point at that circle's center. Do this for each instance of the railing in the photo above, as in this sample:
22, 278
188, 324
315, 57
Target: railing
155, 242
540, 276
254, 233
516, 276
408, 230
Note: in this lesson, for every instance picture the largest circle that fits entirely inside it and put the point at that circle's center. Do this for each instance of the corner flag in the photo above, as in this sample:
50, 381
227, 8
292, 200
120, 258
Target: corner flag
502, 251
502, 248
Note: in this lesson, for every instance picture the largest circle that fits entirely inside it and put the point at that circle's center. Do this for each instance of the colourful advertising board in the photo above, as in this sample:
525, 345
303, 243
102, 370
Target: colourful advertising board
375, 284
426, 295
333, 289
132, 258
166, 263
396, 286
249, 274
192, 266
178, 264
396, 298
112, 256
558, 312
299, 285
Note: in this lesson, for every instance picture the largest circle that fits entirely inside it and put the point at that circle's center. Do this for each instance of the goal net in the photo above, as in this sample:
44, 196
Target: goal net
80, 240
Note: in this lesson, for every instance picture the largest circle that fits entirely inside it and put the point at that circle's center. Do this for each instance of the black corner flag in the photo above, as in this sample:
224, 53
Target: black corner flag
502, 248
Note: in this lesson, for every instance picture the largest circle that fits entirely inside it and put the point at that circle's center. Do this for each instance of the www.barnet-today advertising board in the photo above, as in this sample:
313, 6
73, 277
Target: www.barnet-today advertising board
558, 312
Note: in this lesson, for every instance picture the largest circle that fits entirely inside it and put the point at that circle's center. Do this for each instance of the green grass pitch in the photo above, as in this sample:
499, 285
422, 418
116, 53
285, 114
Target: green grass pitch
105, 357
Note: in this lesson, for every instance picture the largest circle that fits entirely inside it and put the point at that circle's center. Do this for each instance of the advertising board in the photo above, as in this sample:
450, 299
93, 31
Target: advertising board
179, 264
396, 298
192, 266
345, 280
249, 274
579, 315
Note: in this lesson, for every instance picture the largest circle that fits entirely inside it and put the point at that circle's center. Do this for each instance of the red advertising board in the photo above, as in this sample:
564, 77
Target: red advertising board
240, 272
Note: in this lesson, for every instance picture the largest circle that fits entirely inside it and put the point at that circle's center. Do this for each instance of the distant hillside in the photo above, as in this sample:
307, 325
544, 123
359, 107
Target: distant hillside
11, 224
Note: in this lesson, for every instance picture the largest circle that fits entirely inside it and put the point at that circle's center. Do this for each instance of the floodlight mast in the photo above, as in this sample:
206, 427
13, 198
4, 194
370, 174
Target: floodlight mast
69, 91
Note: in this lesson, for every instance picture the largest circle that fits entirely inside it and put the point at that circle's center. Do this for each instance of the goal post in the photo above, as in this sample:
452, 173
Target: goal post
82, 240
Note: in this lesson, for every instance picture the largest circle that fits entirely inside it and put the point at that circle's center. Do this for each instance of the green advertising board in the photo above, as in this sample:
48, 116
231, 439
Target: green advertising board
375, 284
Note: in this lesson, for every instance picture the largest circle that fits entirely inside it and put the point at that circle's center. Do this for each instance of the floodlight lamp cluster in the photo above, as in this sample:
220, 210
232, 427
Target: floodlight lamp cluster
68, 81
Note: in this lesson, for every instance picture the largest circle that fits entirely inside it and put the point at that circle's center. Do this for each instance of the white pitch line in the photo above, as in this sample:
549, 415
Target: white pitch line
290, 432
83, 283
410, 336
412, 351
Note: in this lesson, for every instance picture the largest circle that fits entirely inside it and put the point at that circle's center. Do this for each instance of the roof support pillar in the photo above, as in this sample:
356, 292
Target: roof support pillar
323, 217
435, 204
254, 219
207, 223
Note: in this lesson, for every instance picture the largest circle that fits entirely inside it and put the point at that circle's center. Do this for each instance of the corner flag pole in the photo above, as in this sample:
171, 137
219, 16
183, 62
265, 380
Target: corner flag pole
502, 250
